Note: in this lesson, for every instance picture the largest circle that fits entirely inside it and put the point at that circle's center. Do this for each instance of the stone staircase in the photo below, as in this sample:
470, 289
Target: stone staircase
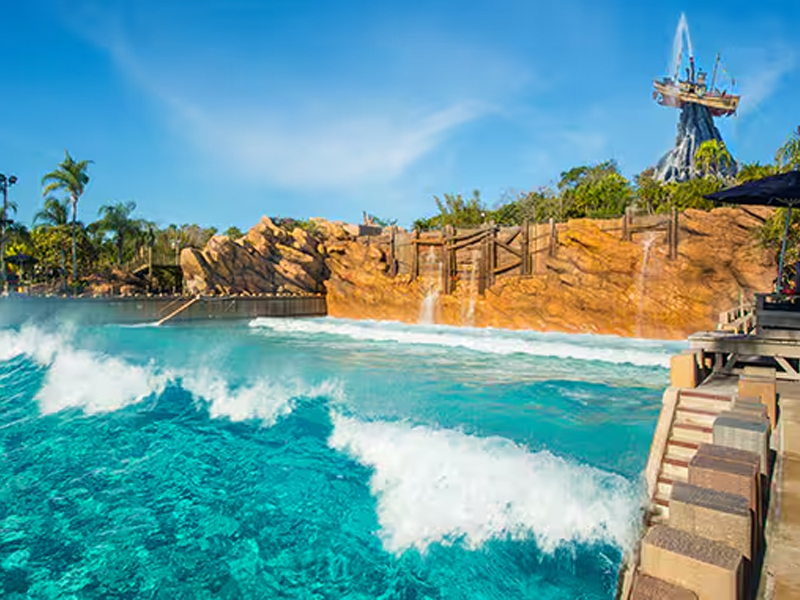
691, 426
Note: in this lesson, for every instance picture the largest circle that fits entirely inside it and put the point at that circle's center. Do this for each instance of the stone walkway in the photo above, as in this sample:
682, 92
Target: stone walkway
781, 574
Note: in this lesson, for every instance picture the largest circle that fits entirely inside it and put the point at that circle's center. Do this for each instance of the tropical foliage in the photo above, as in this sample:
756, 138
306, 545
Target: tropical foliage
787, 158
120, 239
712, 159
71, 178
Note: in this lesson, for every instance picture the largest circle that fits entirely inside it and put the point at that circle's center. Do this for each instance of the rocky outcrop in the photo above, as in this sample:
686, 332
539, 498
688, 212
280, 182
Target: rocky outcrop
696, 126
595, 283
268, 259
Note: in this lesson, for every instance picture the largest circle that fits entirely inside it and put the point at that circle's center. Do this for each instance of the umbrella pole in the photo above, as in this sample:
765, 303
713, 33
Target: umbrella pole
783, 249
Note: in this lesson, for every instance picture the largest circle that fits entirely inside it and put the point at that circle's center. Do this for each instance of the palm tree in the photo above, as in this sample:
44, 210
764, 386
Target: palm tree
712, 158
788, 156
71, 177
116, 219
54, 213
752, 171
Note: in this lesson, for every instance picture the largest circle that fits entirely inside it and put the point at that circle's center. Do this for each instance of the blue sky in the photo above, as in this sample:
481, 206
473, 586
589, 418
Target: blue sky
218, 112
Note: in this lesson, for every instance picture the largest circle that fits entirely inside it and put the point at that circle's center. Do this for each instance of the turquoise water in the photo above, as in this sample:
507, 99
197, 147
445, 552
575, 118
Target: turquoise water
320, 458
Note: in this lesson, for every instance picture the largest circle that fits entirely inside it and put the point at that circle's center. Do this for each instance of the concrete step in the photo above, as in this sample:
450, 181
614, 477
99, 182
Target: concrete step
693, 416
692, 399
683, 432
664, 487
684, 450
674, 471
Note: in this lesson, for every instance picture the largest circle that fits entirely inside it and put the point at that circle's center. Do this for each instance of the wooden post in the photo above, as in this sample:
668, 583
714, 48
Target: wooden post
482, 262
415, 255
392, 251
492, 258
526, 251
443, 257
452, 259
553, 241
626, 225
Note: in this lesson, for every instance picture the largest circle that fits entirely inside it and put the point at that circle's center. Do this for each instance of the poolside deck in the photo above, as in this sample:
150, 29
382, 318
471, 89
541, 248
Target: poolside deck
781, 572
715, 369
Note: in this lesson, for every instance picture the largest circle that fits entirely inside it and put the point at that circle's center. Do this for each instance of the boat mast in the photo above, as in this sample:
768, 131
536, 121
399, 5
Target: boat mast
714, 76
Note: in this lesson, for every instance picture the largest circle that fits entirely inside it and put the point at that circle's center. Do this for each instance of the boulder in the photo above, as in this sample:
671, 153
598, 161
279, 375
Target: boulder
268, 259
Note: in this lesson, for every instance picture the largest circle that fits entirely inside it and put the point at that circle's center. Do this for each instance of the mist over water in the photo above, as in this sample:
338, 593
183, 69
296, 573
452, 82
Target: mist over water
320, 458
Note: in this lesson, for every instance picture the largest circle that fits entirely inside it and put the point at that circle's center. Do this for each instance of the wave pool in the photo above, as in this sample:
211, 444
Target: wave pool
320, 458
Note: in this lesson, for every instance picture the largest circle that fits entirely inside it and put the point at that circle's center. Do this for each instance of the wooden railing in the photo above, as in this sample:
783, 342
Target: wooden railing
741, 319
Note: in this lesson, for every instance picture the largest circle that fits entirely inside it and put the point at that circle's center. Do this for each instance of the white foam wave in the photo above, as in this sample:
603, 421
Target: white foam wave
265, 399
478, 340
442, 485
79, 378
97, 382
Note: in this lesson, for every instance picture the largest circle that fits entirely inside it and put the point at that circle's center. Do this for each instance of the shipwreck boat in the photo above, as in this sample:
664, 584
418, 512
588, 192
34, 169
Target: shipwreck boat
676, 93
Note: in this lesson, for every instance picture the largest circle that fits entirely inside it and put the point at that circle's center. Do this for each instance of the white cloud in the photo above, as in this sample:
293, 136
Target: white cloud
762, 75
325, 142
298, 150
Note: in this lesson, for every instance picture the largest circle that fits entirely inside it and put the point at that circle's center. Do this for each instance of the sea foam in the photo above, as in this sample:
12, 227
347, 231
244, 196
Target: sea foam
97, 382
265, 399
490, 341
436, 485
78, 378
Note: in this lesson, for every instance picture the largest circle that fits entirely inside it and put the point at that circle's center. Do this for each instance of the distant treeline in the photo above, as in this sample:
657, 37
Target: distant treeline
601, 191
59, 246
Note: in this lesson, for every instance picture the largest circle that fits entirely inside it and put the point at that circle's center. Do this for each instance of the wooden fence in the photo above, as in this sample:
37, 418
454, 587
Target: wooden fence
481, 255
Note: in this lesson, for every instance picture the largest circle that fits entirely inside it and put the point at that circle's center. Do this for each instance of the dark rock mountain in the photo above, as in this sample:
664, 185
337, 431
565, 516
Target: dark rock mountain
696, 126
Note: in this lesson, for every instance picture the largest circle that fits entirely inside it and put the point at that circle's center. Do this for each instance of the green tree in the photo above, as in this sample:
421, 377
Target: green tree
771, 233
689, 194
116, 219
456, 211
233, 232
70, 177
51, 245
594, 191
539, 205
651, 194
712, 158
787, 158
54, 213
751, 171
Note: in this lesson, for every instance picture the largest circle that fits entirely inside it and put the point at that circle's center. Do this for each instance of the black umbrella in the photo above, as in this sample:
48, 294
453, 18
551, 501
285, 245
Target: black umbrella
781, 190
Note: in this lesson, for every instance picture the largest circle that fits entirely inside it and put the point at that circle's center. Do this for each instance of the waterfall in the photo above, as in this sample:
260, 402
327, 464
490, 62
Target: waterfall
641, 284
427, 311
473, 287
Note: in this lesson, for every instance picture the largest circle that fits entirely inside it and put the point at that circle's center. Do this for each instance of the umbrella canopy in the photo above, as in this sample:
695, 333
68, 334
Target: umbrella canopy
775, 190
782, 190
21, 259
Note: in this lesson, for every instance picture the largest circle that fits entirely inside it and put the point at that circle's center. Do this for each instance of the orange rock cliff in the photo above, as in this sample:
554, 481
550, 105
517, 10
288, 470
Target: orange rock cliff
593, 282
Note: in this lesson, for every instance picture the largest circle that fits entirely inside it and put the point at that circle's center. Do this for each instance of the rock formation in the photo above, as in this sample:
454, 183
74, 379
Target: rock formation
696, 126
595, 282
267, 259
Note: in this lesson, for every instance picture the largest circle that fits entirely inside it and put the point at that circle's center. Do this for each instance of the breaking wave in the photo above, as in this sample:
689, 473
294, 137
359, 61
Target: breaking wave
96, 382
78, 378
265, 400
438, 485
490, 341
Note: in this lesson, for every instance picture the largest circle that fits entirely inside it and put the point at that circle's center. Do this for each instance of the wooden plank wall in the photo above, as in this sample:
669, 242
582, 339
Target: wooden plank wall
457, 256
